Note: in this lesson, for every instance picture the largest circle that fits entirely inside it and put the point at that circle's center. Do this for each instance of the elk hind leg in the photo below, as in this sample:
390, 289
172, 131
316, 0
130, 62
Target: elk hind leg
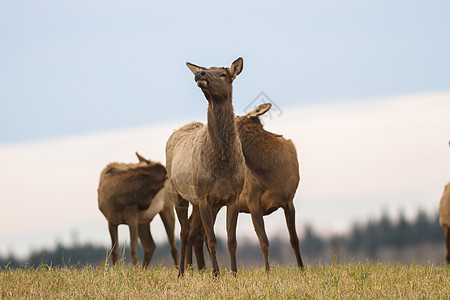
258, 224
207, 221
447, 243
195, 239
114, 242
289, 212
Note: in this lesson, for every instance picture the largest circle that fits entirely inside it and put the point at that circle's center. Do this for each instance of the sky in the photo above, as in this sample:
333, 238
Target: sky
362, 88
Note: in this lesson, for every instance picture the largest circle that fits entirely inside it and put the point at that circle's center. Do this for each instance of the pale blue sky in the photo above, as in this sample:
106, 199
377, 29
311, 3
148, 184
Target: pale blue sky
74, 67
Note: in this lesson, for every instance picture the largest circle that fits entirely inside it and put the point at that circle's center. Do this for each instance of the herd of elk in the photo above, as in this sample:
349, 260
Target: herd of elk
231, 161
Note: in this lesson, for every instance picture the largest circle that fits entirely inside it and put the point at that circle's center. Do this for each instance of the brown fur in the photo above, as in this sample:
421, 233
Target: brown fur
133, 194
271, 180
205, 164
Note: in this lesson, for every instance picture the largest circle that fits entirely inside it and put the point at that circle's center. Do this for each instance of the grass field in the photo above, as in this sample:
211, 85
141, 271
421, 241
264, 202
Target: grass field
351, 281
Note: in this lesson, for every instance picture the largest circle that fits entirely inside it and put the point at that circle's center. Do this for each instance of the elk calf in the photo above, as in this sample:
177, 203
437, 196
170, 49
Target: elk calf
133, 194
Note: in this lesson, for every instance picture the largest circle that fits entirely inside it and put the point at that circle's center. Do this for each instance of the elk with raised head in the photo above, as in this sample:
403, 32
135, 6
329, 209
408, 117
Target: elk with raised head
271, 180
133, 194
205, 164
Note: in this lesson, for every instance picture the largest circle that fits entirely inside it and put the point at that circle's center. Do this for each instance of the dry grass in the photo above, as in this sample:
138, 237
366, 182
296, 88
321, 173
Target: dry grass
124, 282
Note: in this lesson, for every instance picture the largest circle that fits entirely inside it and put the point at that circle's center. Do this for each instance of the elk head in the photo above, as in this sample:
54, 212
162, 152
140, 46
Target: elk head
253, 116
216, 83
156, 171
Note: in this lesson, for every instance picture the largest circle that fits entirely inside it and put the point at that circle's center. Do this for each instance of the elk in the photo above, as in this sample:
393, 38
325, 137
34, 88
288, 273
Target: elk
444, 218
133, 194
205, 164
271, 180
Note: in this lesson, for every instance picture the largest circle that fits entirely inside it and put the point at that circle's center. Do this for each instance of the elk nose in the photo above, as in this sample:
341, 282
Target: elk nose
199, 75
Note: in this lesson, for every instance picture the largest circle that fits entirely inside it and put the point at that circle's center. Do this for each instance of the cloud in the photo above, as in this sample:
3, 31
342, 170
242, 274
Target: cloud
356, 158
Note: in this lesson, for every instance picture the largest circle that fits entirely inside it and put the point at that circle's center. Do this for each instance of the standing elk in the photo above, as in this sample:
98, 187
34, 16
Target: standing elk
271, 180
133, 194
444, 218
205, 163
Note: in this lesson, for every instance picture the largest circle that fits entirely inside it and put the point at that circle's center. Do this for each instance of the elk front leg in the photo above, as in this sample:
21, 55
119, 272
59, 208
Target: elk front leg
199, 240
147, 243
289, 213
232, 217
207, 221
182, 212
168, 218
114, 242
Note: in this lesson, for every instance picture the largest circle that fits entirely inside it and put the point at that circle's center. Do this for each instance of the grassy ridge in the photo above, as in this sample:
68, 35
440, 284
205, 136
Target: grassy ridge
126, 282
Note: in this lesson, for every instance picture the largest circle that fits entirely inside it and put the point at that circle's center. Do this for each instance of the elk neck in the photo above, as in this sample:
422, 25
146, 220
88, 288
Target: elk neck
221, 127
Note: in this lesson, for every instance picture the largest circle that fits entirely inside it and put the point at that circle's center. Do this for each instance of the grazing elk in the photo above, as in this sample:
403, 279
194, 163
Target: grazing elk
205, 164
133, 194
271, 180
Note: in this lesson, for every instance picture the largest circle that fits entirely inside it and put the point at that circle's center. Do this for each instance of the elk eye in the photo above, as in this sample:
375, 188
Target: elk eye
223, 75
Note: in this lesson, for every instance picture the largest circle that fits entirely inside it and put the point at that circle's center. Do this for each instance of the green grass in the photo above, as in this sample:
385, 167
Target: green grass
351, 281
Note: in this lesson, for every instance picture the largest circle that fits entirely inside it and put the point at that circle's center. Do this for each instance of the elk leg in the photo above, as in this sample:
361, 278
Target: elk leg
147, 243
258, 224
195, 239
232, 217
207, 221
199, 241
198, 250
289, 213
192, 220
182, 212
134, 241
114, 242
168, 218
447, 243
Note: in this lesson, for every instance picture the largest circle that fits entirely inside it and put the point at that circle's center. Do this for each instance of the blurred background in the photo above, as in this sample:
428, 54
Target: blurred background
362, 89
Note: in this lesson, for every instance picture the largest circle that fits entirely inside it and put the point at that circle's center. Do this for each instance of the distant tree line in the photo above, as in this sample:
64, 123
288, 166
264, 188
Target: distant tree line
372, 236
364, 238
399, 234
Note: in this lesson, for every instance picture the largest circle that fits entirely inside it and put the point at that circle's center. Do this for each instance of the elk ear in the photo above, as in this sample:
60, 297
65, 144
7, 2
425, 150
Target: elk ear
236, 68
141, 159
194, 69
260, 110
